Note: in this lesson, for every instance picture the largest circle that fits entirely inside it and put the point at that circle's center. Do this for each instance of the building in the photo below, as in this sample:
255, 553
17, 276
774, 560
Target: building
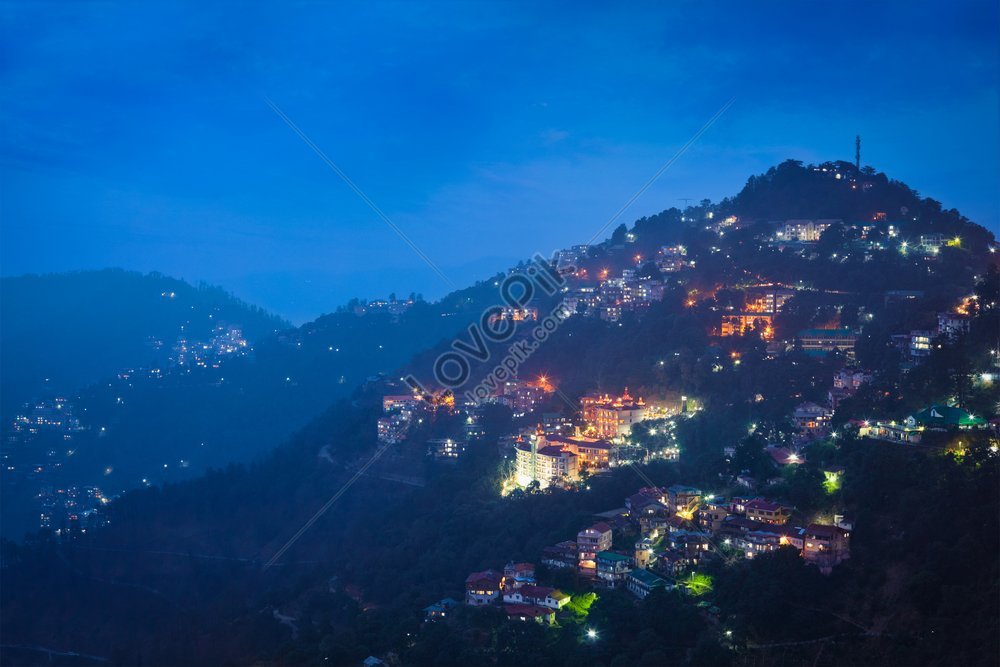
812, 419
952, 325
544, 464
589, 542
439, 609
530, 612
921, 343
562, 555
767, 512
518, 574
802, 231
642, 582
612, 568
826, 546
445, 449
542, 596
683, 501
482, 588
933, 418
591, 453
822, 341
613, 417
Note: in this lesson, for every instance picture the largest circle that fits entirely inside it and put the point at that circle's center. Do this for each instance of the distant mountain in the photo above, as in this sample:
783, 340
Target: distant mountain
59, 332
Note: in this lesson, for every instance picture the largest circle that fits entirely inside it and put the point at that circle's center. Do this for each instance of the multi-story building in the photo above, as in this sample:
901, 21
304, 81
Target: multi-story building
612, 568
641, 582
951, 325
561, 555
921, 343
827, 340
482, 588
544, 464
767, 512
803, 231
590, 541
811, 418
613, 417
592, 453
445, 449
683, 500
826, 546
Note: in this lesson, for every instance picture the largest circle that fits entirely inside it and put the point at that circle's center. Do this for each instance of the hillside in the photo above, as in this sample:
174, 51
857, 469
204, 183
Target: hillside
60, 332
180, 571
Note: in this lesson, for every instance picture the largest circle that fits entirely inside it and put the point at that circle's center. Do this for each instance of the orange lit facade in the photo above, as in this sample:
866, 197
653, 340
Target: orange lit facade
612, 417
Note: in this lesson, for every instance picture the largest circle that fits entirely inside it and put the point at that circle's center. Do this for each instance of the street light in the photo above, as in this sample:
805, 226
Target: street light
591, 634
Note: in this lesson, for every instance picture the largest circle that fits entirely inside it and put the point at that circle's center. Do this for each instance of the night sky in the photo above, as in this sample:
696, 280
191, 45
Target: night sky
139, 136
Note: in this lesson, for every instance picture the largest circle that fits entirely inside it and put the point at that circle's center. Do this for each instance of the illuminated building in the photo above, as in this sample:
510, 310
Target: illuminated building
827, 340
591, 541
445, 449
767, 512
543, 463
642, 582
803, 231
921, 343
759, 309
591, 453
612, 568
935, 417
811, 418
826, 546
482, 588
613, 417
683, 501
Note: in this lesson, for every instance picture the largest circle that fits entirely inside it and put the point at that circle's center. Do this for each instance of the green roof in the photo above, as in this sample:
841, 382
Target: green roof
946, 416
611, 555
647, 578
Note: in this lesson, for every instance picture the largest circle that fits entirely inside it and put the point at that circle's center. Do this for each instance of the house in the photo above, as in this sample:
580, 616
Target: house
482, 588
767, 512
439, 609
811, 418
518, 574
644, 506
612, 568
935, 418
683, 500
529, 612
589, 542
542, 596
642, 582
710, 516
826, 546
784, 456
692, 545
561, 555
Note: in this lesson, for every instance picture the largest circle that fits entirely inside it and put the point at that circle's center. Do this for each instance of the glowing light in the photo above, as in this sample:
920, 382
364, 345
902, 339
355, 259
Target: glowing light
591, 633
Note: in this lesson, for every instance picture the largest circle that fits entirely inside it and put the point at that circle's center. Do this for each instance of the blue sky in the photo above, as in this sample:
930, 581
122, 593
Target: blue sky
137, 135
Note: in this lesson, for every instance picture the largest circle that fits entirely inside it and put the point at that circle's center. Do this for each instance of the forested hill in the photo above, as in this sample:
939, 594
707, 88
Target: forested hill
183, 573
72, 329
